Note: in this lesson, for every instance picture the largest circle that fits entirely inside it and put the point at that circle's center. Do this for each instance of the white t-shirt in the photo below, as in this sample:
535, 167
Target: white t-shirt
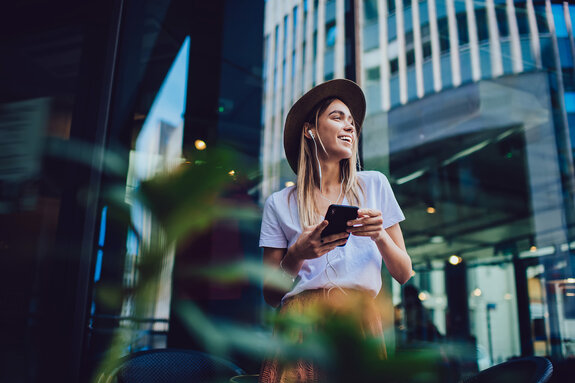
357, 264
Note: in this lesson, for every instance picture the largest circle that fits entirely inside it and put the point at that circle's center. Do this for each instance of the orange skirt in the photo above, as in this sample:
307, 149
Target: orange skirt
332, 319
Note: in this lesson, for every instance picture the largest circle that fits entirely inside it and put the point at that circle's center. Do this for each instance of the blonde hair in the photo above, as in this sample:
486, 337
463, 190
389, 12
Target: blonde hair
308, 174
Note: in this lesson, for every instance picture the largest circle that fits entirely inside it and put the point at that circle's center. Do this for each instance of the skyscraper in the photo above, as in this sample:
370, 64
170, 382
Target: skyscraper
471, 109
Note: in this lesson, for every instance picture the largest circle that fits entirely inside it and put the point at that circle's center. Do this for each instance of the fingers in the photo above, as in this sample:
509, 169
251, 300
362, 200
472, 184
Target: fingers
366, 221
334, 237
326, 248
319, 228
368, 212
371, 233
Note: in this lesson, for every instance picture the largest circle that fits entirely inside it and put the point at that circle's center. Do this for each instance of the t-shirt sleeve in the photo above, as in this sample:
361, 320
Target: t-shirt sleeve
390, 209
271, 234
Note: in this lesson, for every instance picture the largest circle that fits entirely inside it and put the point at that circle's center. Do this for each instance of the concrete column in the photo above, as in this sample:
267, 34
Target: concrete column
494, 42
320, 42
473, 40
516, 55
534, 34
401, 59
309, 59
435, 47
384, 69
453, 43
417, 48
339, 65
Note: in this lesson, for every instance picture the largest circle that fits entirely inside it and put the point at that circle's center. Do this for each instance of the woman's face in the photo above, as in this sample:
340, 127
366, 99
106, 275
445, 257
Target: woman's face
337, 131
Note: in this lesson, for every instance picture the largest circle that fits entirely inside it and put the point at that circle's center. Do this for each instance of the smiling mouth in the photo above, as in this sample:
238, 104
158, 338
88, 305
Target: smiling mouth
347, 139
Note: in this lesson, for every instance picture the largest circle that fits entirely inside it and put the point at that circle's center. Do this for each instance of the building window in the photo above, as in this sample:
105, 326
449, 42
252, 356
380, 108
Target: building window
294, 28
330, 34
542, 25
502, 24
315, 5
304, 26
462, 28
410, 57
443, 30
370, 11
424, 31
372, 74
393, 66
426, 50
522, 21
481, 21
390, 6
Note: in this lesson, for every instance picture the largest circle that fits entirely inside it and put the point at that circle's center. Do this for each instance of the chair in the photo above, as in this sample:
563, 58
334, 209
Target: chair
563, 371
171, 366
532, 369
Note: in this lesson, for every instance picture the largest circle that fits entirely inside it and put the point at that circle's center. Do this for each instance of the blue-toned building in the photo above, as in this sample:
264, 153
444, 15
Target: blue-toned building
471, 115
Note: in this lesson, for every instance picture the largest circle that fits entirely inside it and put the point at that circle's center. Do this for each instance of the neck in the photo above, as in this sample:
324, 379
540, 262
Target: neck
331, 178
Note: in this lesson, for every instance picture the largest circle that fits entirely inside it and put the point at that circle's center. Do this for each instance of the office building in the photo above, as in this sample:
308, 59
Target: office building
470, 114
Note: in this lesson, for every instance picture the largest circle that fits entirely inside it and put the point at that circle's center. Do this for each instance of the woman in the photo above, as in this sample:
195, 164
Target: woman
321, 145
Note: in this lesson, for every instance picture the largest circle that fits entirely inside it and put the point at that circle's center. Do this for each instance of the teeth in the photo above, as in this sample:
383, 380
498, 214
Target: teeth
345, 138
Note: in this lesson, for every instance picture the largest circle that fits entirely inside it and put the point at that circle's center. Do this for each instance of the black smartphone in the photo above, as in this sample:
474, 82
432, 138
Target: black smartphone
337, 216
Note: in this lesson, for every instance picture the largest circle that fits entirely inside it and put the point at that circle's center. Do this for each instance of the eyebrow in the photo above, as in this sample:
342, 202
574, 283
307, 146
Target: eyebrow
341, 113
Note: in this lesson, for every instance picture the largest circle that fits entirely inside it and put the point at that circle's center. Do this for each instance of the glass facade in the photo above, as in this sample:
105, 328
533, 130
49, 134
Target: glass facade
129, 132
470, 116
138, 140
487, 211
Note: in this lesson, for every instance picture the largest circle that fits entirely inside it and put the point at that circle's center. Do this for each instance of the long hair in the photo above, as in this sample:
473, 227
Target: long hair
308, 173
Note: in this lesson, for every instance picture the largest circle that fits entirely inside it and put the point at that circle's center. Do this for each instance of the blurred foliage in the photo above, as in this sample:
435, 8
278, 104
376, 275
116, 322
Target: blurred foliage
189, 200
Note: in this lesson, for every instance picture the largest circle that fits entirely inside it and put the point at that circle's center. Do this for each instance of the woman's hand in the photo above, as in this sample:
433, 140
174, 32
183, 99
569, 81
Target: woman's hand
369, 223
390, 242
310, 245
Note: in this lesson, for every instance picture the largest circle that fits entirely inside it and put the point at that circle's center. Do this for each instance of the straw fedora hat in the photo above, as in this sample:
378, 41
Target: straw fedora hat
345, 90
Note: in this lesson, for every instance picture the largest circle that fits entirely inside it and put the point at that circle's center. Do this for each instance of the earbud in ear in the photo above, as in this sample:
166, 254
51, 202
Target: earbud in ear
311, 133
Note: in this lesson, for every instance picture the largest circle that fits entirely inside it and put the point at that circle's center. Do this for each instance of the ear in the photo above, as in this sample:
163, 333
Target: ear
306, 128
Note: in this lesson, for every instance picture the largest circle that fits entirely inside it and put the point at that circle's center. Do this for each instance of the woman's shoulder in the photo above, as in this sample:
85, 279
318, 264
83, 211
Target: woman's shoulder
372, 177
281, 196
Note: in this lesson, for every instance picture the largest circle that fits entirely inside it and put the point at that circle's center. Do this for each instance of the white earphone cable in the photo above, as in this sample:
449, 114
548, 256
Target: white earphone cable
328, 263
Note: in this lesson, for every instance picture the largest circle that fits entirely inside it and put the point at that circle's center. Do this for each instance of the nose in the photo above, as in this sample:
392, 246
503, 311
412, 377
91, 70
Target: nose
349, 128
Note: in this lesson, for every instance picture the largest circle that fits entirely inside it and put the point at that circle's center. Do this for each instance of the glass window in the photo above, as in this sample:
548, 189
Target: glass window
393, 66
304, 26
502, 23
277, 44
426, 50
371, 36
295, 27
330, 35
462, 29
285, 33
482, 27
443, 31
540, 16
370, 10
390, 7
410, 57
559, 20
425, 32
315, 6
372, 74
329, 11
522, 19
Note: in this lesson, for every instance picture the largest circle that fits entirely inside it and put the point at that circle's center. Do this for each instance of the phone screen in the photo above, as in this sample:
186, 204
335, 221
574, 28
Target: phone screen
337, 216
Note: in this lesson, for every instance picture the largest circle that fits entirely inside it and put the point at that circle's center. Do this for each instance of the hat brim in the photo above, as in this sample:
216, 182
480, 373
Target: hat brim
345, 90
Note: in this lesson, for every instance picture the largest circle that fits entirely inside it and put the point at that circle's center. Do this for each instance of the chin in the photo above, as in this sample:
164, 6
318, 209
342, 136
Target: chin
345, 155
